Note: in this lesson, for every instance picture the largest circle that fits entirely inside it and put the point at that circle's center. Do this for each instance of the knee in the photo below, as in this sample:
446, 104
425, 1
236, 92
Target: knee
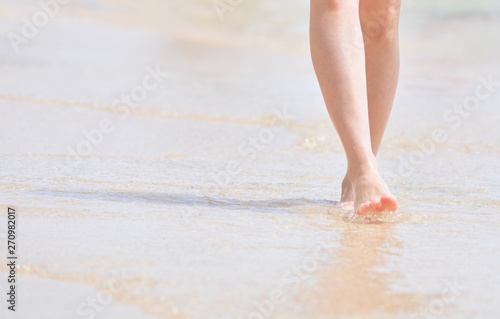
334, 5
380, 24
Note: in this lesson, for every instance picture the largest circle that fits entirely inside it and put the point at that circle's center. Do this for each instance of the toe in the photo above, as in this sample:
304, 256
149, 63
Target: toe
388, 203
362, 208
385, 203
375, 205
371, 206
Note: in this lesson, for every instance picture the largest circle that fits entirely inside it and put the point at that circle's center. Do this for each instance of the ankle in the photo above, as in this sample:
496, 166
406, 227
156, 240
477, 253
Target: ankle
366, 167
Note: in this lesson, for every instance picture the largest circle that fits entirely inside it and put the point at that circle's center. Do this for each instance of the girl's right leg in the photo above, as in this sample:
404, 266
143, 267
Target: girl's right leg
340, 67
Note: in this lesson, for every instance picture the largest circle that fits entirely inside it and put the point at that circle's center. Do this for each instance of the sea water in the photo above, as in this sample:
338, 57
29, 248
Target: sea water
179, 159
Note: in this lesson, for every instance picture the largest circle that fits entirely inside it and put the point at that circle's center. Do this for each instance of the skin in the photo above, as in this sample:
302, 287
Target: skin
354, 48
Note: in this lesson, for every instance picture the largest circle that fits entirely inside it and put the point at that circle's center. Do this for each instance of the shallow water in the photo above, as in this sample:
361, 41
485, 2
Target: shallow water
217, 194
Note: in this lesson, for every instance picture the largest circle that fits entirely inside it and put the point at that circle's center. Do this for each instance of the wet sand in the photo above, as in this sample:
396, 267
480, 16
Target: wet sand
214, 194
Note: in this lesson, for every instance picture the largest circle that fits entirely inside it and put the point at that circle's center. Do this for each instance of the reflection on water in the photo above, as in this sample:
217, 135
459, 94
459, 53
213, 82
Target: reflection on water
358, 284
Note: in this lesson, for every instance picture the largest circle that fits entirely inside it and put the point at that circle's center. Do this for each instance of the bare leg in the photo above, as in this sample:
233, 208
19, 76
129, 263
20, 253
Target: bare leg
340, 68
379, 23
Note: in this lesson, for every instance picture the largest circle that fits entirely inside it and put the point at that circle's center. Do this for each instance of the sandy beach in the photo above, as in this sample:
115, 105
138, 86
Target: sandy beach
166, 159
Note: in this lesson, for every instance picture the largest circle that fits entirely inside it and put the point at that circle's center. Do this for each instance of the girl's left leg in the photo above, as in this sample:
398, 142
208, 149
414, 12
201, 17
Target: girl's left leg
379, 22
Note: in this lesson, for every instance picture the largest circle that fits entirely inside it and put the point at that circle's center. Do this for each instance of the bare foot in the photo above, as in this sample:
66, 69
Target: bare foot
347, 191
371, 194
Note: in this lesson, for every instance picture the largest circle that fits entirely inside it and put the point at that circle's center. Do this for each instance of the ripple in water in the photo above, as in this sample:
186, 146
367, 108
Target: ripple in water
348, 215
